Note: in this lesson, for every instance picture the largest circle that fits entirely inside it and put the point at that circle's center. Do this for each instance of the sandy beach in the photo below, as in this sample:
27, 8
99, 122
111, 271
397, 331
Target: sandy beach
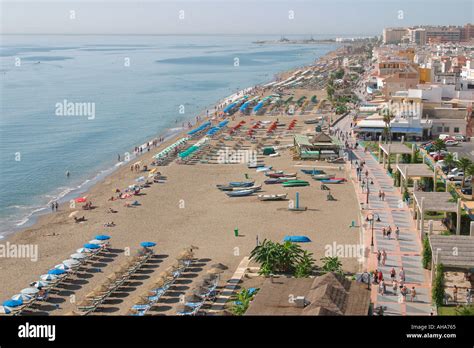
187, 209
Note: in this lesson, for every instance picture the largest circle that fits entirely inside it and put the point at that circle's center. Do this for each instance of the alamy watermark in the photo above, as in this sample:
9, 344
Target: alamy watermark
344, 250
229, 156
20, 251
68, 108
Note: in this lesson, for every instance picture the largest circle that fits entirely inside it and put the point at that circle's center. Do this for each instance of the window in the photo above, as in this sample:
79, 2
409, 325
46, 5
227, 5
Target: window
440, 129
456, 129
446, 129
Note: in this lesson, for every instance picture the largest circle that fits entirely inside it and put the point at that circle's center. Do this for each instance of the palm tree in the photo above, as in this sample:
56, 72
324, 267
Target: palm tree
439, 145
387, 118
332, 264
275, 257
465, 310
470, 172
450, 161
305, 267
463, 164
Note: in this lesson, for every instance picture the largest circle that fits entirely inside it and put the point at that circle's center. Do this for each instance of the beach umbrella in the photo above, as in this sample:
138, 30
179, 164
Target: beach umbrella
215, 271
5, 310
83, 250
80, 200
71, 263
142, 178
159, 283
185, 255
13, 303
74, 213
102, 237
41, 283
56, 271
49, 277
200, 290
165, 275
22, 297
29, 291
91, 246
147, 244
193, 298
183, 308
96, 241
219, 266
62, 266
141, 300
78, 256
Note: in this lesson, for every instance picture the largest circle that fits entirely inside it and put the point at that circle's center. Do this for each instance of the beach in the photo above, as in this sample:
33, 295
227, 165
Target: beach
187, 209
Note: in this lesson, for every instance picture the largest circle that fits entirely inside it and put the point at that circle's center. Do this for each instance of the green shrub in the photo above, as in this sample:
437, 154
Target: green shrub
437, 291
426, 253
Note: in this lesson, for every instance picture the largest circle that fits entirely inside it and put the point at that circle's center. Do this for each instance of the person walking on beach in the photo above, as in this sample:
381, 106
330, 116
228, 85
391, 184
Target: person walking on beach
404, 292
389, 232
384, 232
379, 256
393, 273
380, 195
383, 196
52, 206
394, 286
384, 257
380, 276
401, 274
382, 287
118, 157
397, 233
56, 206
413, 293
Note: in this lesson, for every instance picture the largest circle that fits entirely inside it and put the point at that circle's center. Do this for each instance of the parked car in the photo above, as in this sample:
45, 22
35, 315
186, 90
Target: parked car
459, 137
467, 191
438, 157
451, 142
455, 176
444, 136
442, 152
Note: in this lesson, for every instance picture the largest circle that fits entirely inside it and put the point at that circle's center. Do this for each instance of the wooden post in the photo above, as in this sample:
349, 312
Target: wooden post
458, 218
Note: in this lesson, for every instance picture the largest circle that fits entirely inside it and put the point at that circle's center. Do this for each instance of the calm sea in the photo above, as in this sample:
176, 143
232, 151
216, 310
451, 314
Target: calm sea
136, 85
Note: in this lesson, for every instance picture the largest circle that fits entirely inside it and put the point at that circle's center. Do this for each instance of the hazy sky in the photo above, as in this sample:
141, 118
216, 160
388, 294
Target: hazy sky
353, 17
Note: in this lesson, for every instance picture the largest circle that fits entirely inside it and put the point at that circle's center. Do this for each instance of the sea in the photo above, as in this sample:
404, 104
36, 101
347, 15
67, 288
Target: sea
122, 91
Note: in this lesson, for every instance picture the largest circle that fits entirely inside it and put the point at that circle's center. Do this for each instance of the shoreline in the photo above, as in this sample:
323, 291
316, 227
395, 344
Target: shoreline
186, 209
32, 217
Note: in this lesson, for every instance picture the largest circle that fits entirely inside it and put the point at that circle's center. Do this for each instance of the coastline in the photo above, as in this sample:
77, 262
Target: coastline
32, 217
185, 210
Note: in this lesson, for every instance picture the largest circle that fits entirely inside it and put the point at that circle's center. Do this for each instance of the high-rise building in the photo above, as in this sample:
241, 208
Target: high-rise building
393, 35
467, 32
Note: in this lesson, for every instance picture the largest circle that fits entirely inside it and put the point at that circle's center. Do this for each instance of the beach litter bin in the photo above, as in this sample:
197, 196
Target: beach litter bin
236, 232
268, 151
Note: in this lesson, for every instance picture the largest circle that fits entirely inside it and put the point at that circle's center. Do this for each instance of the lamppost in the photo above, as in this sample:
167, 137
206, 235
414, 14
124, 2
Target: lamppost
365, 182
370, 218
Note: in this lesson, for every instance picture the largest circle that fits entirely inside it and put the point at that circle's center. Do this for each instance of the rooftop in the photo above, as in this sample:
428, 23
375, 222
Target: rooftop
395, 148
329, 294
419, 170
464, 246
436, 201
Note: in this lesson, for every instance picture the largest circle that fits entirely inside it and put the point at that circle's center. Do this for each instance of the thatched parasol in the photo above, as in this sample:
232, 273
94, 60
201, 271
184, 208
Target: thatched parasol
193, 298
183, 308
141, 300
219, 266
215, 271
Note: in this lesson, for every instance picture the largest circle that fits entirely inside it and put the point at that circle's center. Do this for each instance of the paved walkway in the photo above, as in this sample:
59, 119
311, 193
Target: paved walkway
405, 252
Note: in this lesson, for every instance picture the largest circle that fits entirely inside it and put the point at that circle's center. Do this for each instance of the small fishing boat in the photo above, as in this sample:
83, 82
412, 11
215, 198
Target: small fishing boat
241, 183
273, 181
240, 193
312, 171
280, 175
332, 181
289, 178
311, 121
322, 176
295, 183
263, 169
279, 197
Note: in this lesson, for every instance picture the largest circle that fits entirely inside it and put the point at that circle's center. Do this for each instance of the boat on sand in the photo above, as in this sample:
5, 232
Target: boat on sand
295, 183
278, 197
240, 193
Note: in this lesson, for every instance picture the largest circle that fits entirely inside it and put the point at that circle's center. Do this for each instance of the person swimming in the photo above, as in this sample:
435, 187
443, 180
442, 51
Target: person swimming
67, 173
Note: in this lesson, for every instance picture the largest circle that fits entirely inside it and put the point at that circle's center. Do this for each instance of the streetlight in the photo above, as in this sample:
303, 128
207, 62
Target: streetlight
370, 218
365, 182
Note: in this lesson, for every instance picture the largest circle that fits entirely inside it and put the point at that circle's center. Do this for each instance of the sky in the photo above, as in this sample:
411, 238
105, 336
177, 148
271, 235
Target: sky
265, 17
